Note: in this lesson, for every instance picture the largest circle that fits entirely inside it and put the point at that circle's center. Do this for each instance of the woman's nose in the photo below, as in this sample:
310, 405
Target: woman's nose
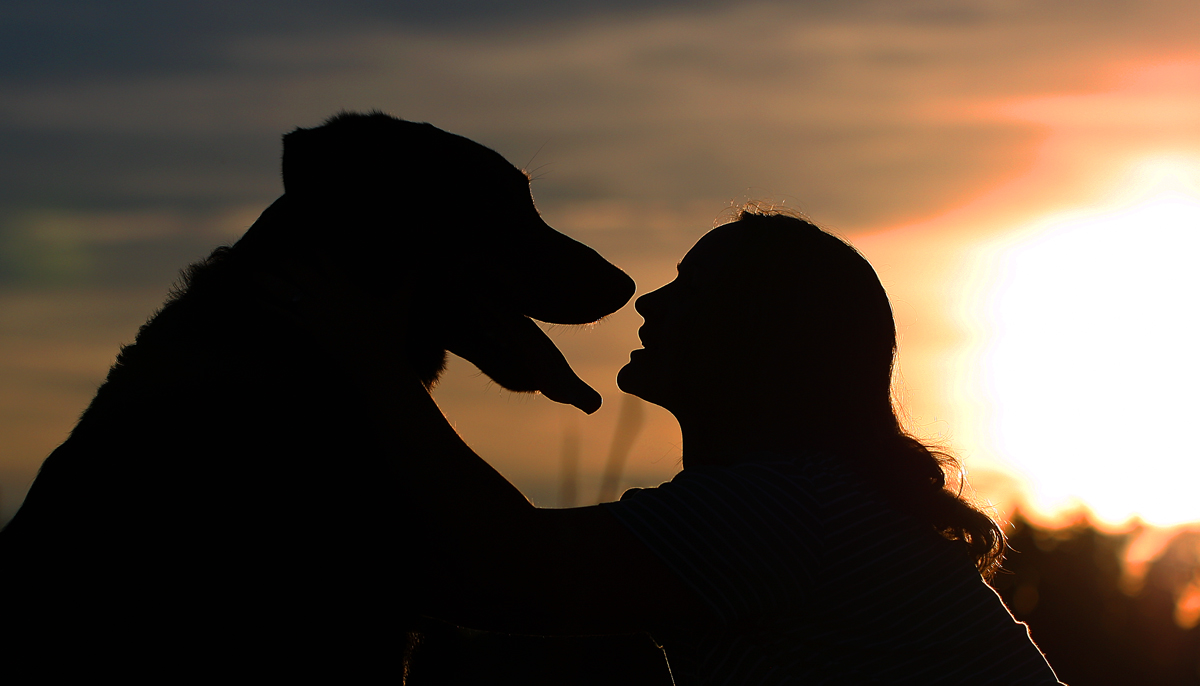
639, 305
646, 303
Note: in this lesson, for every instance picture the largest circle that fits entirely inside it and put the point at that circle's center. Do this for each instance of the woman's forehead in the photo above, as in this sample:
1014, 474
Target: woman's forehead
718, 250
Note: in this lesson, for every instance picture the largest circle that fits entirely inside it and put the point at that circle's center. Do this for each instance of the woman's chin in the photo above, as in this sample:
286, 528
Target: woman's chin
631, 377
635, 378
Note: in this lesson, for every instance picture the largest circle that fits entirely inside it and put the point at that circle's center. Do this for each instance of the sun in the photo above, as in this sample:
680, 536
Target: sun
1092, 369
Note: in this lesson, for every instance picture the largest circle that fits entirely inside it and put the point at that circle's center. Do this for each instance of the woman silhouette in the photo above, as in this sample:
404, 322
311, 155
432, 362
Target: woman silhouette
808, 538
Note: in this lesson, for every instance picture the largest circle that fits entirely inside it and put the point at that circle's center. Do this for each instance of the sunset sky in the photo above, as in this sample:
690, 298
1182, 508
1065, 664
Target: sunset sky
1025, 176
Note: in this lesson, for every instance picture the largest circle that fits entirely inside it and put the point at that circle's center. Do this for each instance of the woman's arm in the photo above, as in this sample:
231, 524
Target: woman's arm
502, 564
497, 562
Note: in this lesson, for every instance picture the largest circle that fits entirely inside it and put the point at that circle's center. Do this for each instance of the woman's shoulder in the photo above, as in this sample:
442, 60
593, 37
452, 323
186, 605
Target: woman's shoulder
819, 473
810, 484
828, 489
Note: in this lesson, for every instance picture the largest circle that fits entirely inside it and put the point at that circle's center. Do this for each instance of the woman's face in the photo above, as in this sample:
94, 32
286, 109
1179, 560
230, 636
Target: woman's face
692, 339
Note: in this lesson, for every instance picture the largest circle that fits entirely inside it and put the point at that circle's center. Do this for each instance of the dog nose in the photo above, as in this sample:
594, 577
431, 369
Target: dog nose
562, 281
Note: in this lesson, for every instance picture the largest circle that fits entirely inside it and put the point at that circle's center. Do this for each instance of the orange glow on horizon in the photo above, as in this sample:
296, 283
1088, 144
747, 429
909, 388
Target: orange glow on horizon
1004, 275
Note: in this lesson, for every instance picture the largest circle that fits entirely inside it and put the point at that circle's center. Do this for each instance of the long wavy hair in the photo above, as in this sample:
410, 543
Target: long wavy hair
825, 306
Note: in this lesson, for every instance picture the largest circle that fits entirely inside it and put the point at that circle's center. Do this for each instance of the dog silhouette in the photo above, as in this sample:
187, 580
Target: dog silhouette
222, 507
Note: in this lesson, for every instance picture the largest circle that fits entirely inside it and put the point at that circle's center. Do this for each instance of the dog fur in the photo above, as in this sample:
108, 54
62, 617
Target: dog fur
222, 508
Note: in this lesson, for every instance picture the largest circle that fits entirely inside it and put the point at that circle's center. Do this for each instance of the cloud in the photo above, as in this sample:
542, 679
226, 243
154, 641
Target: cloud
835, 106
110, 248
134, 136
66, 39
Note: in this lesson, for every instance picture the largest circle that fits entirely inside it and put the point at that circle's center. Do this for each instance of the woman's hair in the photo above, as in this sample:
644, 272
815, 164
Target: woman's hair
830, 320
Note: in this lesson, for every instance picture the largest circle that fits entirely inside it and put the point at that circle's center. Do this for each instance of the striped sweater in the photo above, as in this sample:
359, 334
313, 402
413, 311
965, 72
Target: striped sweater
812, 578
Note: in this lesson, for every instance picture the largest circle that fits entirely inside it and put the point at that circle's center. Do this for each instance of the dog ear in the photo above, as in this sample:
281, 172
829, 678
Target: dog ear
303, 160
322, 164
355, 154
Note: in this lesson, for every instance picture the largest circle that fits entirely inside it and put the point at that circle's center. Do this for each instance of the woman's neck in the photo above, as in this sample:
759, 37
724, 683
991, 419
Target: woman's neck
723, 438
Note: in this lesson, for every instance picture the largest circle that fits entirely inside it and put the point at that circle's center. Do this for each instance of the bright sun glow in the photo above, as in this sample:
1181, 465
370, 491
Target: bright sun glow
1093, 366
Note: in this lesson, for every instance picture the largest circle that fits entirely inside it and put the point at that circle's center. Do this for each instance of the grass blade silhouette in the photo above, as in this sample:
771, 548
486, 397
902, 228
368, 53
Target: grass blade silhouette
568, 485
629, 425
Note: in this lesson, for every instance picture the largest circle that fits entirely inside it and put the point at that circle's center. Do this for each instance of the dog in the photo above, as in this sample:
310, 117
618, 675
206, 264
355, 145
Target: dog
222, 506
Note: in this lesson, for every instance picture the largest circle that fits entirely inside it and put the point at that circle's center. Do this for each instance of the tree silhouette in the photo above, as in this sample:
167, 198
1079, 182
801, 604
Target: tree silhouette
1094, 629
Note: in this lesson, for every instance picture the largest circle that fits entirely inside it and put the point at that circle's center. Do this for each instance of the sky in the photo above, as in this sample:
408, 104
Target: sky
1023, 175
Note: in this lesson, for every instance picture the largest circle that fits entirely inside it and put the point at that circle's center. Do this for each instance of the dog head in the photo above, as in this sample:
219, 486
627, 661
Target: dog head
385, 197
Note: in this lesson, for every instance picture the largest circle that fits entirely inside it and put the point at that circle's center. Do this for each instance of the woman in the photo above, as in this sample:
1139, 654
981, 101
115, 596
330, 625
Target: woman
808, 539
